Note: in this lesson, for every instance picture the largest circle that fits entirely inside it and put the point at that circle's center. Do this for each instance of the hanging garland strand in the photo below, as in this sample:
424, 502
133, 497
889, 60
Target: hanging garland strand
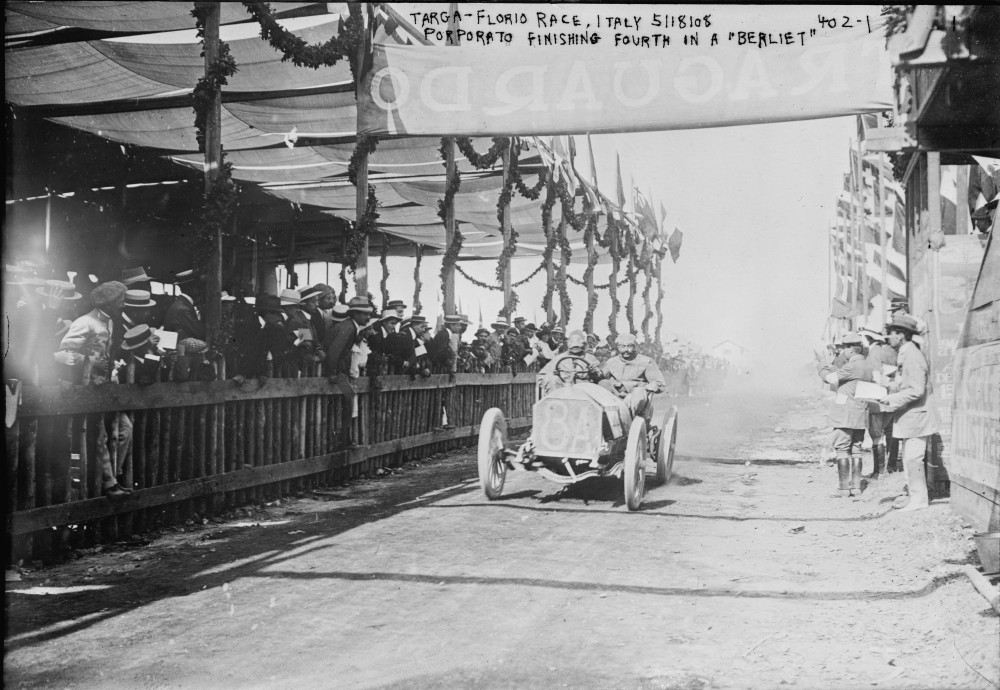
417, 306
384, 260
659, 296
220, 200
614, 237
646, 266
588, 274
633, 272
565, 304
481, 161
487, 286
603, 286
550, 244
450, 260
302, 54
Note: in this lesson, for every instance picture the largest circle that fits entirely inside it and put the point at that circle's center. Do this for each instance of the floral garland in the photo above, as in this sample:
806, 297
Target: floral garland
659, 296
487, 286
510, 248
524, 190
633, 277
550, 243
565, 304
343, 283
221, 198
588, 274
384, 260
357, 238
417, 306
450, 260
303, 54
482, 161
647, 265
603, 286
614, 239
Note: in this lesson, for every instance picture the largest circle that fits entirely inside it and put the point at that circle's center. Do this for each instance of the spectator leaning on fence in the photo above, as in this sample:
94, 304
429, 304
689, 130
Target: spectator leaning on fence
86, 348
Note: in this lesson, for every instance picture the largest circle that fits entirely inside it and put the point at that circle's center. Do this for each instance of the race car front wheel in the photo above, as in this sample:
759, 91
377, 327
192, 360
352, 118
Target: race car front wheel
492, 441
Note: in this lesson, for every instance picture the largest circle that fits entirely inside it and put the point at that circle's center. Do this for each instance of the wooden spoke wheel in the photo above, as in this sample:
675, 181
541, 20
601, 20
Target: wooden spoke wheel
635, 464
665, 447
492, 441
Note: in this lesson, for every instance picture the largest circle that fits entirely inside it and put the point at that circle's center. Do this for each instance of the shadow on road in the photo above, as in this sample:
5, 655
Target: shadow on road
191, 568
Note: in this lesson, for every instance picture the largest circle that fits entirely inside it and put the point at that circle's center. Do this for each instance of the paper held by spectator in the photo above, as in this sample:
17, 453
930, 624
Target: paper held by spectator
168, 339
888, 369
869, 391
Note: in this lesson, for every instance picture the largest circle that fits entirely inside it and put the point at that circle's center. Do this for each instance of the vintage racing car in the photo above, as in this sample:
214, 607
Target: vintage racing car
579, 431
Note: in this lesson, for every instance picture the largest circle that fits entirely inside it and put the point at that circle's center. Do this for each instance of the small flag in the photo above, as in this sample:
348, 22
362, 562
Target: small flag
674, 244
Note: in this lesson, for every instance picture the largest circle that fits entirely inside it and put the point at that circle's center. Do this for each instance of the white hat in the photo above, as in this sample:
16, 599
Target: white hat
289, 296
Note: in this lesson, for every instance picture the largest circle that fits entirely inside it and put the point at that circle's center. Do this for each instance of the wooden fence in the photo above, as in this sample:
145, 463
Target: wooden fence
202, 447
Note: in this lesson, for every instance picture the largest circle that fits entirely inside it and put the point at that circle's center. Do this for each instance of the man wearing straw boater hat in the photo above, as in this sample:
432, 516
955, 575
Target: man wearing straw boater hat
381, 338
911, 402
86, 345
398, 306
339, 351
409, 348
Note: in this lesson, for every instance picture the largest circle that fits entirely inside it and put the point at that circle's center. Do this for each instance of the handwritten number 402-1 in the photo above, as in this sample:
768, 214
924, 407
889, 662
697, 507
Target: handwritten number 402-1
831, 22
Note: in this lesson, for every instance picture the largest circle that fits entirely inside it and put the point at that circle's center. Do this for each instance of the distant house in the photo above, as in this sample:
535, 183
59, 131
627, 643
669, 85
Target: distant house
732, 352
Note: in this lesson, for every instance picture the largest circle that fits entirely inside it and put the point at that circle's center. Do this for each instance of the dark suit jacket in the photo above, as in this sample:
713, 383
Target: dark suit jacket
182, 318
338, 350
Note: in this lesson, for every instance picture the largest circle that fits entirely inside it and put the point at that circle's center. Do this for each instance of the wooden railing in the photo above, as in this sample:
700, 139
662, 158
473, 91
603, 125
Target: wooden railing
202, 447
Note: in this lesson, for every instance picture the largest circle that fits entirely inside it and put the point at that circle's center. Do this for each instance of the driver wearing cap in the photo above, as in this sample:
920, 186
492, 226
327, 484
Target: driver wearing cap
632, 376
553, 375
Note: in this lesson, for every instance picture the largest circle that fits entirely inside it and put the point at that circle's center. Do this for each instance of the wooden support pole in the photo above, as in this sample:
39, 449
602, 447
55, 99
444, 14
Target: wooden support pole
588, 280
550, 272
361, 197
883, 239
451, 170
213, 162
862, 227
508, 289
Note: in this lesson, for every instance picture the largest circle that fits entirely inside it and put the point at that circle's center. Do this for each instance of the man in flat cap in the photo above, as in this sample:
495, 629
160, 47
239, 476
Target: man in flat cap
848, 415
910, 400
576, 364
633, 377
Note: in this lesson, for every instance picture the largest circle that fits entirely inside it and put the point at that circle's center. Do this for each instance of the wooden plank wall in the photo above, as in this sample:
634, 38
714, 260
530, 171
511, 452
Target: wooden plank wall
202, 447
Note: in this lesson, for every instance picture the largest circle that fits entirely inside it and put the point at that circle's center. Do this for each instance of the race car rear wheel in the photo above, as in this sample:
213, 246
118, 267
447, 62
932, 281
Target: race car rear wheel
665, 447
492, 440
635, 464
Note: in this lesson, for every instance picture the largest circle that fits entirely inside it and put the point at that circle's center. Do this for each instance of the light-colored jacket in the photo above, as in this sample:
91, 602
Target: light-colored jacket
846, 411
910, 397
635, 373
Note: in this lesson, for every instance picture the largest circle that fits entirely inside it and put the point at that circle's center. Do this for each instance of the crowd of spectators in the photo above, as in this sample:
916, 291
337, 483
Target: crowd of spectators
86, 332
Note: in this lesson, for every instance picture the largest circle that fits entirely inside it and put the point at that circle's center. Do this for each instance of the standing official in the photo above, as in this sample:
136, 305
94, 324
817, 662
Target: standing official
910, 400
848, 415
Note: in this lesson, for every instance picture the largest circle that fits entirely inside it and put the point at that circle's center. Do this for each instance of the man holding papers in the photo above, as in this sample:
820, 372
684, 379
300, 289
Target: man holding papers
848, 414
909, 398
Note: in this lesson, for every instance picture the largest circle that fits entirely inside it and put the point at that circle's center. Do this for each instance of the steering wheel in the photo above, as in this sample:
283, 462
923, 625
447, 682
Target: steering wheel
575, 367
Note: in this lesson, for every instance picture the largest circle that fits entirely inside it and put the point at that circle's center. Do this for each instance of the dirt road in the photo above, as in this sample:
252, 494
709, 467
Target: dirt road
732, 575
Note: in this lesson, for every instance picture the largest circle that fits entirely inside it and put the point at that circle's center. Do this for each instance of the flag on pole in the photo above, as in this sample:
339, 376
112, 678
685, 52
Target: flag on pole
674, 244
